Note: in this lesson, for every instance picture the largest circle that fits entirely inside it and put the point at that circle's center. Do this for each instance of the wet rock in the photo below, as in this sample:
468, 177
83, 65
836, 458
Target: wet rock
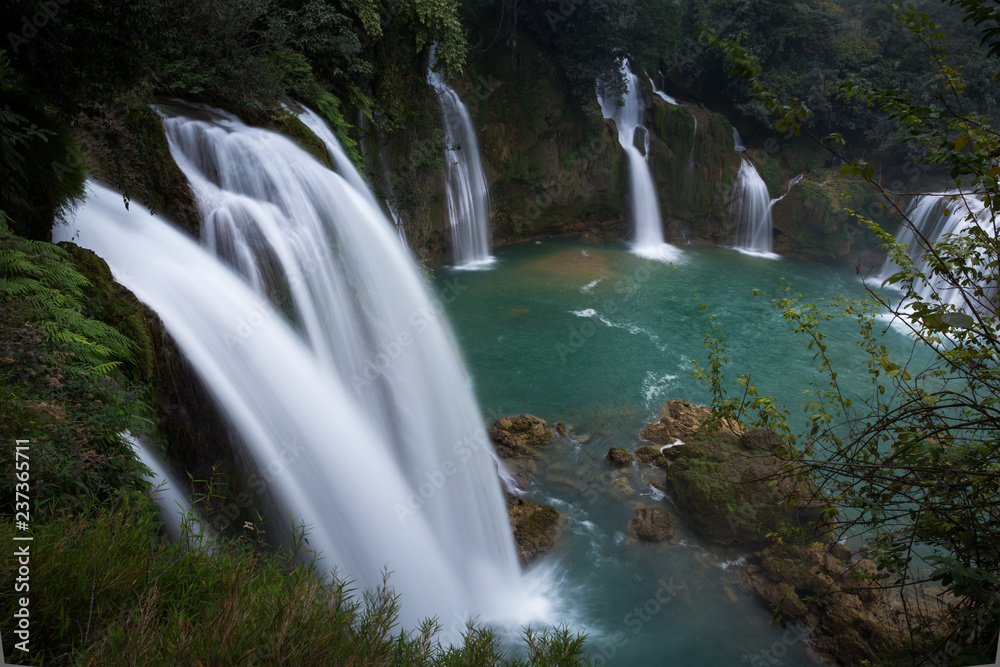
679, 420
560, 428
732, 489
536, 528
651, 524
618, 457
519, 435
652, 456
854, 621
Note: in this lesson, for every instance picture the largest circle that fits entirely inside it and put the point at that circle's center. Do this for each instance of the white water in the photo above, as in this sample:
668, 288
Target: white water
929, 225
753, 208
364, 416
176, 510
342, 164
738, 142
646, 218
466, 188
662, 95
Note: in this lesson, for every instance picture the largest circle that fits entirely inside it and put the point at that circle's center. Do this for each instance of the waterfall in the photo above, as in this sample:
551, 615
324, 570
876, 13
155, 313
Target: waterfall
175, 507
929, 221
645, 205
466, 187
662, 95
341, 163
357, 409
753, 206
738, 144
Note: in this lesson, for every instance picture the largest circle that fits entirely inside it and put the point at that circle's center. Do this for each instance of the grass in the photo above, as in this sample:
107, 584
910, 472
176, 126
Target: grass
108, 589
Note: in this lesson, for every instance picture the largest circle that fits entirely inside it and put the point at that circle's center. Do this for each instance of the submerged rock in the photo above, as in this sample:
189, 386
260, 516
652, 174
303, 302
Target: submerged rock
651, 524
536, 528
519, 435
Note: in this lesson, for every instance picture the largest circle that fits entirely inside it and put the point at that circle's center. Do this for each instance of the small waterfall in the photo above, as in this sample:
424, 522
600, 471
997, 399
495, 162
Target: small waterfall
929, 221
341, 162
466, 187
175, 507
361, 413
753, 206
738, 142
662, 95
645, 206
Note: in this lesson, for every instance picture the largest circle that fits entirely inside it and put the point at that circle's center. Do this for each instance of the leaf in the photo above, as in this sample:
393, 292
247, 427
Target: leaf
957, 320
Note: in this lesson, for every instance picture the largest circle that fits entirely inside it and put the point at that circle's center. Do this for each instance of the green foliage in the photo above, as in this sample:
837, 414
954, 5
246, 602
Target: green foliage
107, 589
39, 163
913, 463
61, 382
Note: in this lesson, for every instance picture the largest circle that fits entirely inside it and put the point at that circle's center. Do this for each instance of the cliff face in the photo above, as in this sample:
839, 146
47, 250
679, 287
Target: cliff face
555, 165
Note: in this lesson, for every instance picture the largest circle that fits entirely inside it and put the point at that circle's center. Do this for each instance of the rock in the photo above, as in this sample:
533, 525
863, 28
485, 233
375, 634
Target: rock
808, 584
679, 420
536, 529
733, 490
651, 524
652, 456
621, 489
618, 457
519, 435
560, 428
841, 551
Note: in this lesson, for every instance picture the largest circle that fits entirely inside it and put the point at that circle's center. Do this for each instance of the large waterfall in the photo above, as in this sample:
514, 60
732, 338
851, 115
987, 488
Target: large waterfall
753, 208
466, 188
932, 217
645, 206
356, 409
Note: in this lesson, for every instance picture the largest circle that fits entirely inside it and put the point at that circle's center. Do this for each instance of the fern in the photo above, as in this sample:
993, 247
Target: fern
42, 276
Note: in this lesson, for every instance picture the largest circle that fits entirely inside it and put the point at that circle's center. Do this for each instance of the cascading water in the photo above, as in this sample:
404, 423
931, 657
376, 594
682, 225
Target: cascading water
466, 188
930, 224
341, 162
753, 206
738, 142
645, 205
662, 95
360, 418
176, 510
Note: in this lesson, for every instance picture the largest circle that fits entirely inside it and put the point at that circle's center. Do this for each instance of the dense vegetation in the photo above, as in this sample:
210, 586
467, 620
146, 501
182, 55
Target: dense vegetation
76, 358
914, 467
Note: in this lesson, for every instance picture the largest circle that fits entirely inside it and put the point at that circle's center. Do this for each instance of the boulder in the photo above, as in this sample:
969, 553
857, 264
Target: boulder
651, 456
680, 420
618, 457
536, 528
651, 524
809, 584
519, 435
732, 489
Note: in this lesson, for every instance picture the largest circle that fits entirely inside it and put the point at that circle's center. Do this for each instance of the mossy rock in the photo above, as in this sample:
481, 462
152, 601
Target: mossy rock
618, 457
536, 529
114, 305
520, 435
651, 524
651, 456
128, 150
722, 482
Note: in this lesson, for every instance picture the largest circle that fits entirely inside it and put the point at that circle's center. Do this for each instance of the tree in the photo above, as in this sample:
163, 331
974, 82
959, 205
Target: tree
915, 465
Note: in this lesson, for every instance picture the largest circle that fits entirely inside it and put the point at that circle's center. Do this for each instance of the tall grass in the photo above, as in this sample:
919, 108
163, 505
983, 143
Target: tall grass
108, 589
